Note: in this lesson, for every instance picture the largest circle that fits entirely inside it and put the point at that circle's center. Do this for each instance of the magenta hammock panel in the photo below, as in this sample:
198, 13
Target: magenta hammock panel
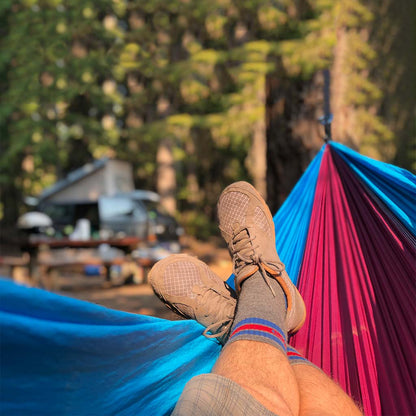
390, 255
357, 279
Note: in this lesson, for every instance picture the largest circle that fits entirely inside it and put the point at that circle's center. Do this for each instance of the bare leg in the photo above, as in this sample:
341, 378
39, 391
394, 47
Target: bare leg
297, 389
268, 306
264, 371
321, 396
255, 355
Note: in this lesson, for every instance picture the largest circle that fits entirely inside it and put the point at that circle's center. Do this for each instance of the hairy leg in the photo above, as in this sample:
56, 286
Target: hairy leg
264, 371
321, 396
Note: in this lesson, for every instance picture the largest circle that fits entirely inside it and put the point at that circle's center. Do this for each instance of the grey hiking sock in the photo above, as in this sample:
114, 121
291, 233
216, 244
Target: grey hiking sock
295, 358
260, 315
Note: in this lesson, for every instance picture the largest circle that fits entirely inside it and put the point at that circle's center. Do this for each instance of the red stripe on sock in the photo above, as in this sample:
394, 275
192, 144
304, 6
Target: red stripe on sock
294, 354
258, 327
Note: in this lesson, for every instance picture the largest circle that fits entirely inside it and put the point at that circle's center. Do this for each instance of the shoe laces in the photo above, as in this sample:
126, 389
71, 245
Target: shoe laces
244, 252
217, 332
215, 303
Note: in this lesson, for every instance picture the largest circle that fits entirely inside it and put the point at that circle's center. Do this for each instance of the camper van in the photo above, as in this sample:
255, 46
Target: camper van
98, 201
136, 213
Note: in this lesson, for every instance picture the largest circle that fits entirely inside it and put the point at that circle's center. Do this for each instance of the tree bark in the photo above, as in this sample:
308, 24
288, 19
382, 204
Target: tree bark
293, 133
166, 175
257, 160
192, 184
344, 116
392, 36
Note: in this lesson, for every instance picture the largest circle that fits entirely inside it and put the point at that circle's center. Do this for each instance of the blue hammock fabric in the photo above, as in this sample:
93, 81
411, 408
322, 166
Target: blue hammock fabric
64, 356
292, 220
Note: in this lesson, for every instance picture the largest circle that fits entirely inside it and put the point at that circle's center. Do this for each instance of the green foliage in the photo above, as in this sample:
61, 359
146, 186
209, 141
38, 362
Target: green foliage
57, 57
198, 224
86, 79
363, 95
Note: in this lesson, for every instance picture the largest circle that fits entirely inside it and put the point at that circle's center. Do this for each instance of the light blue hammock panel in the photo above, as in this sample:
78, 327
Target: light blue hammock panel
61, 356
292, 220
65, 356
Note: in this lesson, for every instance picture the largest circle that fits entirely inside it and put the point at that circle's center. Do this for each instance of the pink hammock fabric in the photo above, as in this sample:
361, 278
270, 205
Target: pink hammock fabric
358, 281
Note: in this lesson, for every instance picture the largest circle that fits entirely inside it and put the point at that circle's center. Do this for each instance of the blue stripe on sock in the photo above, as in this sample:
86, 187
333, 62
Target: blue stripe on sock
261, 322
251, 332
295, 357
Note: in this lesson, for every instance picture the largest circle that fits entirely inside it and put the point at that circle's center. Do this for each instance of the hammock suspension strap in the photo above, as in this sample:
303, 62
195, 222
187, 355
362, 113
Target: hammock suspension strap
326, 119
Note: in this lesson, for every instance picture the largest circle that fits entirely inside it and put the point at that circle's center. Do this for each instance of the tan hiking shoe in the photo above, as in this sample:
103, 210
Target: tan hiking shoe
248, 229
190, 288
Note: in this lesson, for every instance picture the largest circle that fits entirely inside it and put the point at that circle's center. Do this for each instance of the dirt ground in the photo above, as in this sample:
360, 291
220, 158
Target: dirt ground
140, 298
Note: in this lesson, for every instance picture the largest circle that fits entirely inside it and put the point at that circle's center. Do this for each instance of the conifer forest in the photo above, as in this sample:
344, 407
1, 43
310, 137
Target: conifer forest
198, 93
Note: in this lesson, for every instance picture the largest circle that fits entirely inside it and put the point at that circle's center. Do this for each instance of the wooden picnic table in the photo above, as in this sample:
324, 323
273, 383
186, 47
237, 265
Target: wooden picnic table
123, 243
44, 259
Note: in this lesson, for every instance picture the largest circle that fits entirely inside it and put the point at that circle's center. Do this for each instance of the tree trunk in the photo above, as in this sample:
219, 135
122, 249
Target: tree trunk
343, 126
392, 36
293, 133
192, 184
166, 175
257, 161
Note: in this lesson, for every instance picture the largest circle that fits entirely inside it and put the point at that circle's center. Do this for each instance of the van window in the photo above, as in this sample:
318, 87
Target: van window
115, 207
